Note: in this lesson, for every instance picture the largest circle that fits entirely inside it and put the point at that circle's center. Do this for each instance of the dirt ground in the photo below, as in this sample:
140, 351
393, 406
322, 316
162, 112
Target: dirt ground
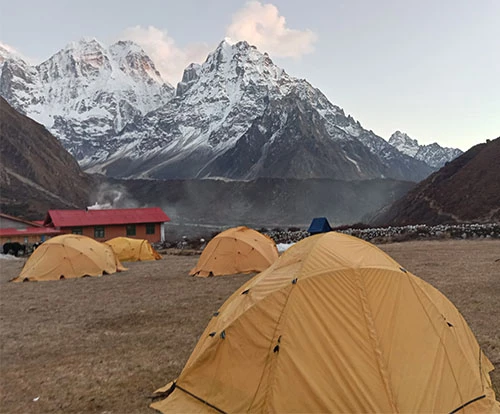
103, 345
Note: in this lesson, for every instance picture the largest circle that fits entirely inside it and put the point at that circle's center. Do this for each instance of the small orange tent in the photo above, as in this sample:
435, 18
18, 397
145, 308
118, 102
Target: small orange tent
133, 250
334, 325
69, 256
236, 250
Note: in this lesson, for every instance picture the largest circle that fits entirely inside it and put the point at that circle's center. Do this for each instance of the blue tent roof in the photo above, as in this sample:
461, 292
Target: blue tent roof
319, 225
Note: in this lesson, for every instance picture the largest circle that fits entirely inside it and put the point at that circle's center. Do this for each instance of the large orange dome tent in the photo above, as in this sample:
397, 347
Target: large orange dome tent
69, 256
334, 325
133, 250
236, 250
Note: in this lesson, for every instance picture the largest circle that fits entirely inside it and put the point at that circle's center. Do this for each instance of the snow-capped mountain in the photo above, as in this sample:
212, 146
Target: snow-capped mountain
240, 116
85, 94
19, 82
236, 116
433, 154
465, 190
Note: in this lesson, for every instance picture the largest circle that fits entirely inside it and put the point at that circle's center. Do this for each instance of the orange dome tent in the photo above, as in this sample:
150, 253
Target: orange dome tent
69, 256
236, 250
334, 325
133, 250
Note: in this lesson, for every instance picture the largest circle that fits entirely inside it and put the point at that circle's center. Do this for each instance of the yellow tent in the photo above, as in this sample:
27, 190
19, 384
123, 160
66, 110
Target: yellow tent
236, 250
334, 325
69, 256
133, 250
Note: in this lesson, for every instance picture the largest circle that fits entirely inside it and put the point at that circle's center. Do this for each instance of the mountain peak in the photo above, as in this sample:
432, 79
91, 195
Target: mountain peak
87, 83
242, 61
399, 136
230, 72
83, 46
238, 116
433, 154
85, 58
7, 53
228, 44
228, 40
133, 60
189, 77
464, 190
226, 51
127, 46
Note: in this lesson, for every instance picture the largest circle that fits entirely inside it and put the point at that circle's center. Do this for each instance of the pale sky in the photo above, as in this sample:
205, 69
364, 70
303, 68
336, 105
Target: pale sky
430, 68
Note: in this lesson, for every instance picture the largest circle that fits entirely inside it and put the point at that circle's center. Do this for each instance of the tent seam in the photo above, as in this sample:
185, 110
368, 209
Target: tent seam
416, 286
374, 339
435, 330
270, 354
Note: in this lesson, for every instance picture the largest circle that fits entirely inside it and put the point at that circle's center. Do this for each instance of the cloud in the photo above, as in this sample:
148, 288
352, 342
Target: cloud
7, 50
262, 25
259, 24
169, 58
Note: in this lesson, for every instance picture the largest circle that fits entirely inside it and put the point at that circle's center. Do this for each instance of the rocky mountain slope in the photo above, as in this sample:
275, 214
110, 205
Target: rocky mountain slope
239, 116
236, 116
432, 154
466, 189
36, 172
85, 94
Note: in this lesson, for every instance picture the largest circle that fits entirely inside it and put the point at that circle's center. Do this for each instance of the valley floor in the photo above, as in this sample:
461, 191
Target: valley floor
103, 345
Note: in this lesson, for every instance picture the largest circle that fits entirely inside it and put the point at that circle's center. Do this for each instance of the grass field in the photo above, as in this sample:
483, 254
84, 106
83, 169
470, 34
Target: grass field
103, 345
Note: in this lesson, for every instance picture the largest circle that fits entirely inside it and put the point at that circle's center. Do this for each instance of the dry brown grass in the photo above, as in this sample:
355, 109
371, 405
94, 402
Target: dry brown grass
103, 345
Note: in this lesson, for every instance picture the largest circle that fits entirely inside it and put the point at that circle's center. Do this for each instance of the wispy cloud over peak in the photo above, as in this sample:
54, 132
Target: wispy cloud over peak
170, 59
259, 24
263, 26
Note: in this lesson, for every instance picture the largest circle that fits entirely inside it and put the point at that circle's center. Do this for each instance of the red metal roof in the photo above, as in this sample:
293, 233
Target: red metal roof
77, 218
20, 220
29, 231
